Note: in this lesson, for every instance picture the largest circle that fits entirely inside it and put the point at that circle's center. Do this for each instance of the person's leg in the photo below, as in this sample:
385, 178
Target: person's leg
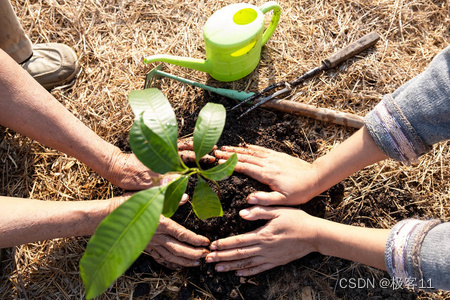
51, 64
13, 39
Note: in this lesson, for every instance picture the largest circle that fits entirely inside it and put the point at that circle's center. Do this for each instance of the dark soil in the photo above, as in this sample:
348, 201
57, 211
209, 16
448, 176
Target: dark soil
279, 132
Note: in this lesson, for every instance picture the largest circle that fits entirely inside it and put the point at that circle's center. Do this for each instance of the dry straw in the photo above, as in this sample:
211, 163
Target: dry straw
111, 38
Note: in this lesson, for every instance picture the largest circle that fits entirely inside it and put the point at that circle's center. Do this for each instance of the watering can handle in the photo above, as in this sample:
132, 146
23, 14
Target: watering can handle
272, 5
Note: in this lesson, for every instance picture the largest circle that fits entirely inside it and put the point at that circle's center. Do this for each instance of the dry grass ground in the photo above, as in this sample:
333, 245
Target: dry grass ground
111, 37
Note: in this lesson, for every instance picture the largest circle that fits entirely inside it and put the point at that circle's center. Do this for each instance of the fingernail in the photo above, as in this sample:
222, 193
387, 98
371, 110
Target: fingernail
244, 212
219, 269
252, 200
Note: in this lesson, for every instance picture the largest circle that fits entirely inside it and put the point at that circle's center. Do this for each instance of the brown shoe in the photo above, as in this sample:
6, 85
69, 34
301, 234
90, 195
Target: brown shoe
52, 64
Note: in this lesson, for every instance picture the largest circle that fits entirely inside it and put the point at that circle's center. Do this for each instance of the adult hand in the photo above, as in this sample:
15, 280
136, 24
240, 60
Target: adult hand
293, 181
289, 235
172, 245
127, 172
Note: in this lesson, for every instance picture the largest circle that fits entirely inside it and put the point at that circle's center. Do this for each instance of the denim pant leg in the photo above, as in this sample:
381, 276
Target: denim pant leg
13, 39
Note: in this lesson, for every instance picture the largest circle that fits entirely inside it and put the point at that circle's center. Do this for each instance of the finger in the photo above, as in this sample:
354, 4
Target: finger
253, 151
208, 159
184, 199
266, 198
158, 258
188, 144
171, 258
256, 172
240, 264
180, 233
255, 270
233, 254
189, 157
238, 241
259, 213
185, 144
243, 158
178, 248
259, 148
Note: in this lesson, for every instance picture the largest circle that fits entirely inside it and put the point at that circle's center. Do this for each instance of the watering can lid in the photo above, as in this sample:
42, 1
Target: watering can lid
234, 24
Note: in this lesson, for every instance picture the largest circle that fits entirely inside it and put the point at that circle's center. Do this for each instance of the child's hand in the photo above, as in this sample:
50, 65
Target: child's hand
290, 234
293, 181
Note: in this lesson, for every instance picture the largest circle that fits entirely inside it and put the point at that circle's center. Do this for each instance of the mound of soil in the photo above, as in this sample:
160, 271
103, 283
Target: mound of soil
265, 128
277, 131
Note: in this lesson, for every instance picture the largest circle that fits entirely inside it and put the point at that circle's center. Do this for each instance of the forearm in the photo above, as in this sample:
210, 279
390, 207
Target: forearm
29, 109
27, 220
352, 155
363, 245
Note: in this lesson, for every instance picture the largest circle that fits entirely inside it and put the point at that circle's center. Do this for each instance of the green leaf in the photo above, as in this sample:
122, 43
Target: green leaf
119, 240
205, 202
158, 114
175, 191
221, 171
208, 128
151, 149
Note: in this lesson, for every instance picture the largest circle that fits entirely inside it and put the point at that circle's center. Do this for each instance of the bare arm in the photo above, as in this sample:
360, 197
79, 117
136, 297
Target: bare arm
291, 234
29, 220
295, 181
26, 107
352, 155
363, 245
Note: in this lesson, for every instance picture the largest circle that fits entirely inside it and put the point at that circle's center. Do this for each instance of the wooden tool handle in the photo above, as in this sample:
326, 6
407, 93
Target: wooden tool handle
351, 50
321, 114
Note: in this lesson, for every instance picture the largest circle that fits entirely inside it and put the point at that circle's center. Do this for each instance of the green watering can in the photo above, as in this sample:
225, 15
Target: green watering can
233, 39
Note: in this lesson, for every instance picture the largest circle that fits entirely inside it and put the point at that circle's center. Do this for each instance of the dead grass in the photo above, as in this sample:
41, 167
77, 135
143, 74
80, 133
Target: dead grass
111, 37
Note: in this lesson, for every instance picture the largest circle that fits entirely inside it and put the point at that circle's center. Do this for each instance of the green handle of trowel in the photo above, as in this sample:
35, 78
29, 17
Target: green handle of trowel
236, 95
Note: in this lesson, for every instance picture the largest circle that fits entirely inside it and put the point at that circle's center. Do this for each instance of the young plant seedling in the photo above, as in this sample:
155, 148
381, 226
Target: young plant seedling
123, 234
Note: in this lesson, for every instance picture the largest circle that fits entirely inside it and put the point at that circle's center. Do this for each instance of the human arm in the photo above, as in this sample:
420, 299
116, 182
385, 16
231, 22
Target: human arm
29, 220
402, 126
415, 253
295, 181
26, 107
291, 234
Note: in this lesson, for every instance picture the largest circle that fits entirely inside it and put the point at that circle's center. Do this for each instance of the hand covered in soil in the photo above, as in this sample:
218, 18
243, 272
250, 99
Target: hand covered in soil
290, 234
127, 172
293, 181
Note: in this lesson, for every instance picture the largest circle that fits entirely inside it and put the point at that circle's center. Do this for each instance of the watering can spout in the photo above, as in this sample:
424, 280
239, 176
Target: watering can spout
187, 62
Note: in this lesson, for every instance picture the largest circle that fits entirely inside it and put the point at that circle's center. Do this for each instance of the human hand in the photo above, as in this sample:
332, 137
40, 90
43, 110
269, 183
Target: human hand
127, 172
293, 181
174, 246
290, 234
